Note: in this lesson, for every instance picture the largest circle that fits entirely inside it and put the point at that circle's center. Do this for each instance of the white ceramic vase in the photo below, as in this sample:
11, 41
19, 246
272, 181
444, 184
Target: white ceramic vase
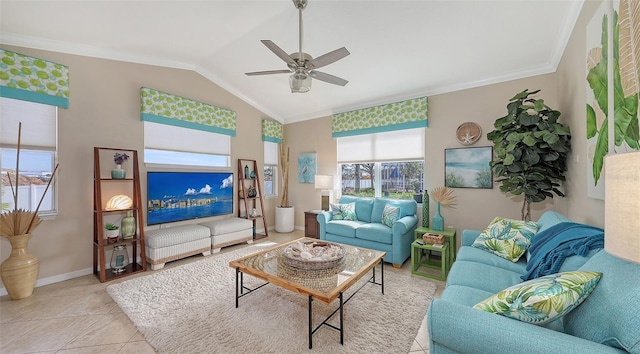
285, 219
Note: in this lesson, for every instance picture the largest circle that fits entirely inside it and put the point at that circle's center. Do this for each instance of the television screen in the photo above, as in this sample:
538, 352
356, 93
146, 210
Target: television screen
176, 196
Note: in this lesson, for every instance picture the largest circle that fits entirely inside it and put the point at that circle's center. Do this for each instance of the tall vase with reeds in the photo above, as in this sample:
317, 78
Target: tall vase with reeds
445, 197
19, 272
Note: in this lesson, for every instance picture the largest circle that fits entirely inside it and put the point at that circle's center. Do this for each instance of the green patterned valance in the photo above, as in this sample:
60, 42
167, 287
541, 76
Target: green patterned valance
393, 116
164, 108
31, 79
271, 131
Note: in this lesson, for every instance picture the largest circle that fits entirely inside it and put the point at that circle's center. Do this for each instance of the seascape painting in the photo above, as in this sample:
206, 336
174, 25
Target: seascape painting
468, 167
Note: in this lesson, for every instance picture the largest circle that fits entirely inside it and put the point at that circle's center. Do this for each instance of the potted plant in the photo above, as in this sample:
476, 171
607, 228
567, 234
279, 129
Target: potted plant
112, 232
531, 150
118, 172
285, 213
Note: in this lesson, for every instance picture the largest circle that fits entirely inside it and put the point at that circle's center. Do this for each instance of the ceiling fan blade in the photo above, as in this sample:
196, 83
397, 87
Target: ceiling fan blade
269, 72
328, 78
329, 58
278, 51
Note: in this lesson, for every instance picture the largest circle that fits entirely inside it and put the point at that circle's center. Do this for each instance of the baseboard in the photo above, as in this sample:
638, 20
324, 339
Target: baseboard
56, 279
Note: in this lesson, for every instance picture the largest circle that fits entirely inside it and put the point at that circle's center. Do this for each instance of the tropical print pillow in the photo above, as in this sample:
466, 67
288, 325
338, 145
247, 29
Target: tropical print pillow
507, 238
390, 215
542, 300
343, 211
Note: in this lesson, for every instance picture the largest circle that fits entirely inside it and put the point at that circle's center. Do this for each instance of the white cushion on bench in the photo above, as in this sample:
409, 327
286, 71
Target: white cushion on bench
227, 226
175, 235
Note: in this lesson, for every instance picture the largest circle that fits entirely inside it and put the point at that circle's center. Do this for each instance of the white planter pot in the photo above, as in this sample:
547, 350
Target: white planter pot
285, 219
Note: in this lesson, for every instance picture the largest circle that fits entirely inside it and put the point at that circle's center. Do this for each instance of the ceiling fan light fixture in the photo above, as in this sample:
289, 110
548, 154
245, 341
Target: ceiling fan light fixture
300, 82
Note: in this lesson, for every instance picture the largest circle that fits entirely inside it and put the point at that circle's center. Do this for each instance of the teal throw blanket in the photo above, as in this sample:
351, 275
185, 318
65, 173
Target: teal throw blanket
550, 247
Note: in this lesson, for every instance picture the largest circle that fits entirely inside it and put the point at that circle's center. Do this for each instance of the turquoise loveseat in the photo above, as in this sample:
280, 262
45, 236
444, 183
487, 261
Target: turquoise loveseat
369, 232
608, 321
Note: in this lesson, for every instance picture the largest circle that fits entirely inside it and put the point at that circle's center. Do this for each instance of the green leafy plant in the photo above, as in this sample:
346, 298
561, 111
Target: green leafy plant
111, 227
531, 150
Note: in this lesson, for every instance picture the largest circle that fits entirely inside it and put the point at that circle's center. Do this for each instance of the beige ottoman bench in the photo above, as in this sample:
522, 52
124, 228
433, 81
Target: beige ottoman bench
172, 243
230, 231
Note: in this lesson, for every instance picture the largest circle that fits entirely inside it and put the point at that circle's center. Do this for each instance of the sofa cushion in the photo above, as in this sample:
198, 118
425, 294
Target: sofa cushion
345, 228
363, 206
464, 295
375, 232
542, 300
507, 238
407, 207
611, 314
482, 276
466, 253
344, 211
390, 215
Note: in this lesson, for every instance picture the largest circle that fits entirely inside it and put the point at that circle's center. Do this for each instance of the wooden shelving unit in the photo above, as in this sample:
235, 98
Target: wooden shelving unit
106, 184
245, 203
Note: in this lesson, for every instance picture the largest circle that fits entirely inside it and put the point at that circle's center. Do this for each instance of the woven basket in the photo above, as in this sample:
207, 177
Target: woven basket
301, 263
433, 239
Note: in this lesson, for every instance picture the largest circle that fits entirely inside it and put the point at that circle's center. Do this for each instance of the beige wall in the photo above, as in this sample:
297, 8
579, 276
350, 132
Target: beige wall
105, 109
446, 112
571, 77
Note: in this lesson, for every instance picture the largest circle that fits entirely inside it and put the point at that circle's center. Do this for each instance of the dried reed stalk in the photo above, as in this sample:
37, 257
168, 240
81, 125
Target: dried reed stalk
444, 196
19, 221
284, 169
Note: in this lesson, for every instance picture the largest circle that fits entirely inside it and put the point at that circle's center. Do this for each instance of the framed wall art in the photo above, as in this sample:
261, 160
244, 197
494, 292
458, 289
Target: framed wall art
307, 165
468, 167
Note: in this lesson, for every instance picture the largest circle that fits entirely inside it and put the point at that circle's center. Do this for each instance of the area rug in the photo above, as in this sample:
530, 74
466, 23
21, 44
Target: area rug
191, 309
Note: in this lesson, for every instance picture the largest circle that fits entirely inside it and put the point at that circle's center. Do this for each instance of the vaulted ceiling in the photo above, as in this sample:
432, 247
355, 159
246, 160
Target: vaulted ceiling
399, 49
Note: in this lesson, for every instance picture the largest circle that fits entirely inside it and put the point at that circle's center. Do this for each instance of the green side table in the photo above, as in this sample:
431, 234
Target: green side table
417, 261
449, 234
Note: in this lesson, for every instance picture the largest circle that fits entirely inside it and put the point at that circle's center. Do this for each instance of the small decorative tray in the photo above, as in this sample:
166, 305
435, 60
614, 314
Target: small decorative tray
434, 239
314, 255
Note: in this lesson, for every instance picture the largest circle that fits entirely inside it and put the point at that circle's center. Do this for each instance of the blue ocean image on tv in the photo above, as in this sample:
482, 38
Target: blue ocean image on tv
176, 196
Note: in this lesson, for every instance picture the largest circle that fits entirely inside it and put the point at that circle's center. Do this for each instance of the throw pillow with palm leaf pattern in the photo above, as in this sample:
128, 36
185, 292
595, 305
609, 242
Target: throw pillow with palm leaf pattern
507, 238
542, 300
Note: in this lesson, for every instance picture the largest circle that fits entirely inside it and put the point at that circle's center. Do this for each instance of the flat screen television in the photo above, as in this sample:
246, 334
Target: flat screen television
177, 196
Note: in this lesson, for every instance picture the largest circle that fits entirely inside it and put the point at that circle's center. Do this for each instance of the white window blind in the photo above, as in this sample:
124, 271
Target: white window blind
396, 145
39, 123
168, 137
270, 153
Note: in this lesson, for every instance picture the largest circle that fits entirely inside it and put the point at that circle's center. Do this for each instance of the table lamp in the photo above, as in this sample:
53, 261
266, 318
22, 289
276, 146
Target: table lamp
622, 206
324, 182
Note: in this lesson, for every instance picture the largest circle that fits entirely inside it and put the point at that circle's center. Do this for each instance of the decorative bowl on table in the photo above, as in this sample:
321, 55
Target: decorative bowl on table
314, 255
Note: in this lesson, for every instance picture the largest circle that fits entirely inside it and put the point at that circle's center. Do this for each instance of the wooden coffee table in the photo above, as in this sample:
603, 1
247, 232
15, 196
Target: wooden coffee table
322, 285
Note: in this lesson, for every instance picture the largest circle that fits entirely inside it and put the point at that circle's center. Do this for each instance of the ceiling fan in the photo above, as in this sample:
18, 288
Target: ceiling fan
302, 65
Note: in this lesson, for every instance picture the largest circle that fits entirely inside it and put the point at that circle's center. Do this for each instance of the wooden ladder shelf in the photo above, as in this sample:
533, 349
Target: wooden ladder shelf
248, 180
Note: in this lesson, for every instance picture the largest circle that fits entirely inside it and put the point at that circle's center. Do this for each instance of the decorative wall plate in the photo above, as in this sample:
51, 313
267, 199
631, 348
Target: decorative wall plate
468, 133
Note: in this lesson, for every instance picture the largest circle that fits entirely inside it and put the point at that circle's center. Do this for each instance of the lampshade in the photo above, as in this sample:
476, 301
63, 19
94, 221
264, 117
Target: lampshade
622, 206
324, 182
300, 82
119, 202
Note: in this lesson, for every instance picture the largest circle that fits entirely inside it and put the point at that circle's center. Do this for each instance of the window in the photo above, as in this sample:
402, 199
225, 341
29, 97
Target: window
389, 164
38, 145
270, 169
399, 180
171, 145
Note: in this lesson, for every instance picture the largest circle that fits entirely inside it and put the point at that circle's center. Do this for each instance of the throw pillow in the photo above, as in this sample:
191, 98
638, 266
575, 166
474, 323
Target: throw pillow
343, 211
390, 215
542, 300
507, 238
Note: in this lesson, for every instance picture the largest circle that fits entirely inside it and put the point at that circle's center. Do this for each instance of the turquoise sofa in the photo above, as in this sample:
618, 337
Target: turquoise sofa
608, 321
369, 232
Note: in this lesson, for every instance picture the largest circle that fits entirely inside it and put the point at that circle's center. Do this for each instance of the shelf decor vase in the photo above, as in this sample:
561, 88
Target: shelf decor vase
128, 226
20, 271
118, 172
437, 221
425, 209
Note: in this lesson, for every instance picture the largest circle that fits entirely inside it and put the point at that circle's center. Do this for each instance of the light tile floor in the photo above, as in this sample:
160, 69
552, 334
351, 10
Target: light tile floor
78, 316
